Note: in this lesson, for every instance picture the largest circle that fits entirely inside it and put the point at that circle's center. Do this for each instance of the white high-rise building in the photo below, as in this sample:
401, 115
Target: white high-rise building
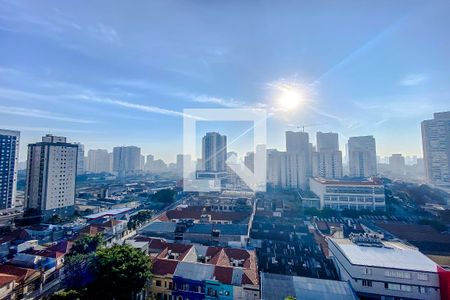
126, 160
142, 163
214, 152
148, 162
327, 141
249, 161
9, 155
51, 175
286, 170
362, 156
81, 167
327, 161
397, 164
296, 166
436, 149
98, 161
183, 159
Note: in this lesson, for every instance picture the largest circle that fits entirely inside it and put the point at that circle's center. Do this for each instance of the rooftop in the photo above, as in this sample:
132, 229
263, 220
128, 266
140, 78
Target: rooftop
228, 229
349, 181
111, 212
160, 227
196, 212
392, 255
275, 287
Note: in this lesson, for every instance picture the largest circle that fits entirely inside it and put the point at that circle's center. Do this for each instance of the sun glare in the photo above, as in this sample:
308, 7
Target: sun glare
290, 98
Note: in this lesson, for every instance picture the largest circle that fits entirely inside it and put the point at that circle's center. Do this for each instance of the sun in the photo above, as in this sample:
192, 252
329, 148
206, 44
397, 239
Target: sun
290, 98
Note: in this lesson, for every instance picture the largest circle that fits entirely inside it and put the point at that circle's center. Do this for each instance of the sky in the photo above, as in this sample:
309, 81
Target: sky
111, 73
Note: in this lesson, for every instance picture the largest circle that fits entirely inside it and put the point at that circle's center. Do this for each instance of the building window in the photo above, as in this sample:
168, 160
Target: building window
397, 287
422, 290
398, 274
367, 271
158, 282
422, 276
367, 283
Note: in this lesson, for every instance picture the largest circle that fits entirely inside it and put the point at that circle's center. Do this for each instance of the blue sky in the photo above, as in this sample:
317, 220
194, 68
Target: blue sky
119, 73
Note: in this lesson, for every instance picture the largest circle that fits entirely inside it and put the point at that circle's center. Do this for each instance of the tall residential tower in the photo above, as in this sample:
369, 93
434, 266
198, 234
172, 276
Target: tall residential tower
214, 152
362, 156
9, 153
126, 160
436, 149
327, 161
51, 174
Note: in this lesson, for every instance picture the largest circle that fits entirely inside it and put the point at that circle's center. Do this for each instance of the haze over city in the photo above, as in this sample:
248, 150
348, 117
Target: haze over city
111, 76
225, 150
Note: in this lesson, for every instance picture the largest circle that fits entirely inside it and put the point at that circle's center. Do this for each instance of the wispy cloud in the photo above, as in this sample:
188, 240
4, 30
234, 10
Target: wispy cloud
186, 96
132, 105
13, 94
18, 17
36, 113
105, 32
413, 79
231, 103
46, 129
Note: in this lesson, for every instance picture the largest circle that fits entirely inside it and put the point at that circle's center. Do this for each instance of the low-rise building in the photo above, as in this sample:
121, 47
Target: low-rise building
385, 270
186, 271
276, 286
353, 193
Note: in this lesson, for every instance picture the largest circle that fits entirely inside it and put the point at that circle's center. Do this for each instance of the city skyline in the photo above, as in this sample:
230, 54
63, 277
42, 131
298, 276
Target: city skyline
99, 79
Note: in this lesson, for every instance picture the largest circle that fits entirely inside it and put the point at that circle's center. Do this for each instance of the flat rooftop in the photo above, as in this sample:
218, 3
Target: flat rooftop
276, 287
111, 212
393, 255
349, 181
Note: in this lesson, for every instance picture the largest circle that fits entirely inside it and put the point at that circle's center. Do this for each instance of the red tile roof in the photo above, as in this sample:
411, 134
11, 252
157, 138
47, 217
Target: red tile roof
223, 274
414, 232
62, 246
153, 243
22, 274
181, 249
6, 278
250, 277
220, 259
45, 253
163, 267
18, 234
92, 230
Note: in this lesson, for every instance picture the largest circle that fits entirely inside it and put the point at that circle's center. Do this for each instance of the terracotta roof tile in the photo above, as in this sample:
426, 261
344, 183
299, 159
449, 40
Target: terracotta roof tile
61, 246
6, 278
223, 274
164, 266
21, 273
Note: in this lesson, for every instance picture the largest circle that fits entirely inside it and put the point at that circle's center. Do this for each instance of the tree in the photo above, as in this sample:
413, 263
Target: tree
166, 196
290, 298
86, 244
55, 219
139, 218
119, 272
76, 270
77, 261
67, 295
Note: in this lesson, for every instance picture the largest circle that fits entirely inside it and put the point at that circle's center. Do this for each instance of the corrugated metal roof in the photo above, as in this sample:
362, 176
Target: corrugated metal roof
159, 227
276, 286
230, 229
194, 271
